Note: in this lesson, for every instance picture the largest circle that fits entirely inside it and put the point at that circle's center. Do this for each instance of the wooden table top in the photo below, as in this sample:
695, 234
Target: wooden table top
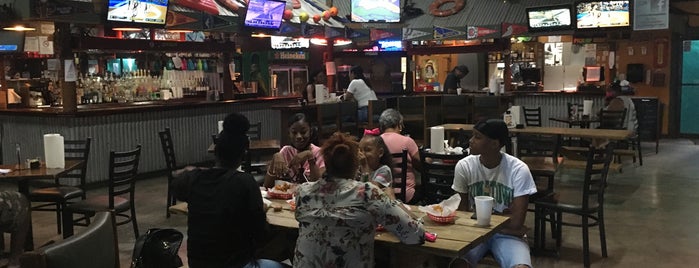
40, 173
570, 120
453, 240
592, 133
256, 145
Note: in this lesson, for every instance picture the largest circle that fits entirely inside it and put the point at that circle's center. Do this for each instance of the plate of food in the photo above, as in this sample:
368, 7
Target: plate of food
281, 190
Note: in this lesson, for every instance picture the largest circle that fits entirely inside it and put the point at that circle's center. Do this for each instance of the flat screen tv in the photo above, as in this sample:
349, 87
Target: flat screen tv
137, 13
550, 18
602, 14
264, 14
530, 75
375, 11
11, 42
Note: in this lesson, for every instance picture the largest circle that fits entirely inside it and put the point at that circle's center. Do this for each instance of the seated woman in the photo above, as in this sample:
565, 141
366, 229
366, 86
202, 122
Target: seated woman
301, 154
338, 215
391, 124
227, 220
14, 219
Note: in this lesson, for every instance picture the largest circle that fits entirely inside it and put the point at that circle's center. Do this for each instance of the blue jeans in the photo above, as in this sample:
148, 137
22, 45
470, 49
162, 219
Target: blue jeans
264, 263
508, 251
362, 114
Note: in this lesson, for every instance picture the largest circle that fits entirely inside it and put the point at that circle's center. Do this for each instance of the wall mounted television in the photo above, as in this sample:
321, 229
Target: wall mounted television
137, 13
11, 42
264, 14
375, 11
550, 18
602, 14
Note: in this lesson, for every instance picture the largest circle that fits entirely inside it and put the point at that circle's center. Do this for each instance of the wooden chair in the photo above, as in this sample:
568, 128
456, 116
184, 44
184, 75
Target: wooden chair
438, 175
57, 196
328, 120
349, 120
588, 204
456, 109
574, 110
96, 246
540, 153
170, 163
400, 175
532, 116
252, 156
123, 167
376, 107
612, 119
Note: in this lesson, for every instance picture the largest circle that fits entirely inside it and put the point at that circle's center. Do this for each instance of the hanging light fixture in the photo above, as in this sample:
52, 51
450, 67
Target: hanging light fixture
19, 28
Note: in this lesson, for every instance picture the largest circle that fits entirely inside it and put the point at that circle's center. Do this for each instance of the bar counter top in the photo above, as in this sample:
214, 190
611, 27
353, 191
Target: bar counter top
134, 107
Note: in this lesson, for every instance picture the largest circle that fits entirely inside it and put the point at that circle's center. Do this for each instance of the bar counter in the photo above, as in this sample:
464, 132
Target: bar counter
121, 127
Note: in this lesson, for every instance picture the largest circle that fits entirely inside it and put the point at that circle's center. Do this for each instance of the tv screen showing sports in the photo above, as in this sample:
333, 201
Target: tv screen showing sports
375, 11
550, 18
148, 12
602, 14
265, 14
11, 42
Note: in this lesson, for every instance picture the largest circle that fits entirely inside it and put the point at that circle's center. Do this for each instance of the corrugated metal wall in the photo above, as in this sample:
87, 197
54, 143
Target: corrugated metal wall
191, 131
555, 105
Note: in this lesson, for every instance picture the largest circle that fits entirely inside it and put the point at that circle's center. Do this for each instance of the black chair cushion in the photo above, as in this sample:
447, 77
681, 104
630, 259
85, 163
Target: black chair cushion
51, 194
100, 203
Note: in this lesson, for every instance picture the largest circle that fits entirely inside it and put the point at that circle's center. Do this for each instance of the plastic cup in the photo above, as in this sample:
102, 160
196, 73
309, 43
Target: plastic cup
458, 91
484, 208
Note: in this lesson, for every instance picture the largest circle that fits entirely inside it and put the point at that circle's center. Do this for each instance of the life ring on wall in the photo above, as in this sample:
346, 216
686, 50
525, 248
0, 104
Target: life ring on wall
435, 11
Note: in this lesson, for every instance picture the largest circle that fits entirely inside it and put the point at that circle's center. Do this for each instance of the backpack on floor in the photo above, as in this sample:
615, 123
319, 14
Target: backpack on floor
157, 249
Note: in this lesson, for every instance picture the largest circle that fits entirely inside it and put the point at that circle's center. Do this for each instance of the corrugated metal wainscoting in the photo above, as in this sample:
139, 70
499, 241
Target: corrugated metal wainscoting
555, 105
191, 132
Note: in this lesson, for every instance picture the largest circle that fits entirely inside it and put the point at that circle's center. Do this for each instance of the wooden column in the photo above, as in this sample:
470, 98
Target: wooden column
64, 51
329, 57
3, 86
227, 82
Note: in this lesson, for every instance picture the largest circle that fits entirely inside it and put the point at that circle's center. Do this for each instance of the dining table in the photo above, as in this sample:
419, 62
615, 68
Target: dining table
259, 146
590, 133
582, 121
453, 239
21, 176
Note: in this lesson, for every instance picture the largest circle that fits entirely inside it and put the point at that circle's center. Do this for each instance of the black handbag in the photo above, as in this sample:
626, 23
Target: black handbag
157, 248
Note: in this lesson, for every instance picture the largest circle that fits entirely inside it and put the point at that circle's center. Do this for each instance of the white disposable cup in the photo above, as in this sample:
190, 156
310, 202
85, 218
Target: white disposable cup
484, 208
458, 91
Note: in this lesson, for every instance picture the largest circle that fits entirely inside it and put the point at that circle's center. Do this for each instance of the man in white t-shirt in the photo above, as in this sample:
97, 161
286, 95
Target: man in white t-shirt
488, 171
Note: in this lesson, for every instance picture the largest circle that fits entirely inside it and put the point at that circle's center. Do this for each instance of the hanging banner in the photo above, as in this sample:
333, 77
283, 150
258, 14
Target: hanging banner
651, 15
377, 34
289, 29
179, 19
510, 29
331, 32
356, 33
309, 30
444, 33
480, 32
411, 34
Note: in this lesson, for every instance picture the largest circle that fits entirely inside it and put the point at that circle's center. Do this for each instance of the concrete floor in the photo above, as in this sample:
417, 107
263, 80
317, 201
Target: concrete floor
650, 213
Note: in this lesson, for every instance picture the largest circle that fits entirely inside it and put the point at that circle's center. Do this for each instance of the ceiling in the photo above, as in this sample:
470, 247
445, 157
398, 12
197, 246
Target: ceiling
689, 8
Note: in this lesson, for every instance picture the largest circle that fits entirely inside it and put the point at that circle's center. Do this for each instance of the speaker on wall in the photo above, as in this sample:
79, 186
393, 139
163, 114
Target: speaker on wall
634, 72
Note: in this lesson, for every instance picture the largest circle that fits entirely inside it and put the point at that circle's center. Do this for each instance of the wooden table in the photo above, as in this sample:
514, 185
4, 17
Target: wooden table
583, 122
24, 175
591, 133
261, 146
453, 241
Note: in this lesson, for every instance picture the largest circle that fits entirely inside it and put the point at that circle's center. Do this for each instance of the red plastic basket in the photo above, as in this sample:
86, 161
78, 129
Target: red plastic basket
443, 219
278, 195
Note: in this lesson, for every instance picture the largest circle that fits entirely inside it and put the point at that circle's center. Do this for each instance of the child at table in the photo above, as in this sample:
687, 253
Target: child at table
375, 161
301, 153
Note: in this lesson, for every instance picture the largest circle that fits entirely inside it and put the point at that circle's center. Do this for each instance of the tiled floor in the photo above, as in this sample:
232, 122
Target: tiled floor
651, 213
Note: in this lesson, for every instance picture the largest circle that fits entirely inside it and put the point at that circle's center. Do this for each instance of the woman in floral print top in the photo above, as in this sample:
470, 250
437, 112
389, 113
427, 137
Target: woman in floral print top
338, 216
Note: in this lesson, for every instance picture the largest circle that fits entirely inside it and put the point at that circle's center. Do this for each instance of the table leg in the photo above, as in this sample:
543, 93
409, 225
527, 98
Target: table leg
23, 188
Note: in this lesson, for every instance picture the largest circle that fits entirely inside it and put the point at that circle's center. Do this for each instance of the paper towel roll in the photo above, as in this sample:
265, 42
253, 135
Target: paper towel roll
587, 107
220, 126
437, 139
53, 151
515, 111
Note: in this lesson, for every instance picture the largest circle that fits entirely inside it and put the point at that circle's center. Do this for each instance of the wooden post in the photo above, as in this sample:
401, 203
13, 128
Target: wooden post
3, 85
328, 57
64, 51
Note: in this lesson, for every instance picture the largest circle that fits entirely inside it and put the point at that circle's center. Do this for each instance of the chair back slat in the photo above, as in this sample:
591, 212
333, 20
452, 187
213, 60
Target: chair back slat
123, 167
611, 119
168, 149
596, 171
255, 131
532, 116
438, 175
400, 173
77, 150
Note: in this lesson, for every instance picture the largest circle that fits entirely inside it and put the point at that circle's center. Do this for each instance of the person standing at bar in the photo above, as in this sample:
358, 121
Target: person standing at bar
359, 89
453, 80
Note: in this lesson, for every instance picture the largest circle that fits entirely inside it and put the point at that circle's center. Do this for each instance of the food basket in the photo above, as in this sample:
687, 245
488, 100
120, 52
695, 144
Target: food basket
442, 219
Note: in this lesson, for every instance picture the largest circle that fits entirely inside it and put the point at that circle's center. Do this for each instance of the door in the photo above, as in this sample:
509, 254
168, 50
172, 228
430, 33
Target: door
689, 121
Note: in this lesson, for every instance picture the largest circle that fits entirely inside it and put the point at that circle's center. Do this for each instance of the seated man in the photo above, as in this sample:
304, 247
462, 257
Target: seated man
487, 171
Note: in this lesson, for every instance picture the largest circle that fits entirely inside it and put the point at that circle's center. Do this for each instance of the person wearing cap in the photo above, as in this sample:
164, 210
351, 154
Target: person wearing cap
453, 80
490, 172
